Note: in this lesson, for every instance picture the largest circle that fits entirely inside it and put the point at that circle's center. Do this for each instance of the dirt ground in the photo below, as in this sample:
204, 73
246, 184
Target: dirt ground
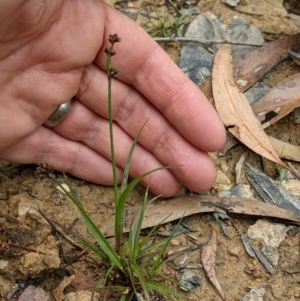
236, 271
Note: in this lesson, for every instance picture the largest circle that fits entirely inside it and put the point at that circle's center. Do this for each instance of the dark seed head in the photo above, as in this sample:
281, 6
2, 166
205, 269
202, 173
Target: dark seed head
114, 38
113, 73
110, 51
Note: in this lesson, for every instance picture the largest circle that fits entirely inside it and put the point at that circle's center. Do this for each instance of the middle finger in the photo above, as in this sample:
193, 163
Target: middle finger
159, 137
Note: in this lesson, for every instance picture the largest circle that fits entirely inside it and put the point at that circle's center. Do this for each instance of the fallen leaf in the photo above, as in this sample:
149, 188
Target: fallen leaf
175, 208
208, 259
255, 64
235, 111
279, 101
285, 150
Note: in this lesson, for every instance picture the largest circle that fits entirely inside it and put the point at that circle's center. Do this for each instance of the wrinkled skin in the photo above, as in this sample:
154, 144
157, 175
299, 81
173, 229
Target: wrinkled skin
52, 50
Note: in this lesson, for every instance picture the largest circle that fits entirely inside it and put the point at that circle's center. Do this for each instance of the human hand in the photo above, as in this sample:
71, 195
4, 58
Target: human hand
53, 50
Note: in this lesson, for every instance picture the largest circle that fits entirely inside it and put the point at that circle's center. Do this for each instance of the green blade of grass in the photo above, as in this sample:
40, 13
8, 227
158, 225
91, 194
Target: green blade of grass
101, 240
96, 233
128, 160
142, 280
137, 226
110, 122
159, 260
120, 208
143, 243
98, 252
131, 276
112, 287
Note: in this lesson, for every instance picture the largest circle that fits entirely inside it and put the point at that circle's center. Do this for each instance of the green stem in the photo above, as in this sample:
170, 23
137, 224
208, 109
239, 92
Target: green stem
111, 134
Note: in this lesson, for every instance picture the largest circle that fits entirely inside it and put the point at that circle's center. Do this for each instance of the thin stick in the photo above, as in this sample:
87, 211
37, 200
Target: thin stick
204, 42
60, 229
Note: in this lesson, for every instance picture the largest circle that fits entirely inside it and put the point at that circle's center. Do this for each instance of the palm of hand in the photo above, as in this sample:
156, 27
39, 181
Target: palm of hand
56, 53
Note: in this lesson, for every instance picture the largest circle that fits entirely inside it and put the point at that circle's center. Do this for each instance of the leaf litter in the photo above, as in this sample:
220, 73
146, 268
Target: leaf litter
256, 63
208, 259
281, 100
173, 210
235, 111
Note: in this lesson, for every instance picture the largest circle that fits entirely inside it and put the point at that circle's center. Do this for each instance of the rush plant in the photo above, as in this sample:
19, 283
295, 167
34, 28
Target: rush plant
132, 266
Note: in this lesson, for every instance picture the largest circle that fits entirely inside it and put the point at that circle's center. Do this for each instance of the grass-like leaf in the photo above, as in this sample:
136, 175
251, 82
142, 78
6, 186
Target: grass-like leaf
142, 279
128, 160
97, 234
128, 267
159, 260
120, 208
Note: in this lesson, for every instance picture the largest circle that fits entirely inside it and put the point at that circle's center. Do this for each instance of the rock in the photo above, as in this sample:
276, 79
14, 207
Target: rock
80, 295
255, 294
189, 280
256, 92
233, 2
242, 191
26, 206
58, 292
222, 183
4, 266
270, 234
271, 253
236, 251
292, 185
5, 286
196, 60
32, 263
34, 294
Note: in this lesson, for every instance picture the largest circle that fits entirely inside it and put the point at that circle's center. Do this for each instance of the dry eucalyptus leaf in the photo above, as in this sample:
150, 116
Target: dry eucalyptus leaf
175, 208
285, 150
279, 101
235, 110
255, 64
208, 259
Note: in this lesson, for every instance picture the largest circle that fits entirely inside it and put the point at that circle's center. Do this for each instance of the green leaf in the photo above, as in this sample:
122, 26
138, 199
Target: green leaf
95, 249
128, 160
142, 280
96, 233
146, 239
159, 260
120, 208
136, 227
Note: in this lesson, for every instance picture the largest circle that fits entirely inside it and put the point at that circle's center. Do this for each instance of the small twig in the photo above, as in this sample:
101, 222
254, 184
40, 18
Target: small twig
60, 229
189, 249
9, 218
174, 6
204, 42
248, 12
294, 55
20, 248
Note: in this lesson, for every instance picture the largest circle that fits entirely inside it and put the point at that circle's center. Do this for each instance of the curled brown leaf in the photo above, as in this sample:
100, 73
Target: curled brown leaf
208, 259
235, 111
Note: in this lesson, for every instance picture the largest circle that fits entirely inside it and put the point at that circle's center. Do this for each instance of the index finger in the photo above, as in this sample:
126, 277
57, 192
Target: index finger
144, 65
